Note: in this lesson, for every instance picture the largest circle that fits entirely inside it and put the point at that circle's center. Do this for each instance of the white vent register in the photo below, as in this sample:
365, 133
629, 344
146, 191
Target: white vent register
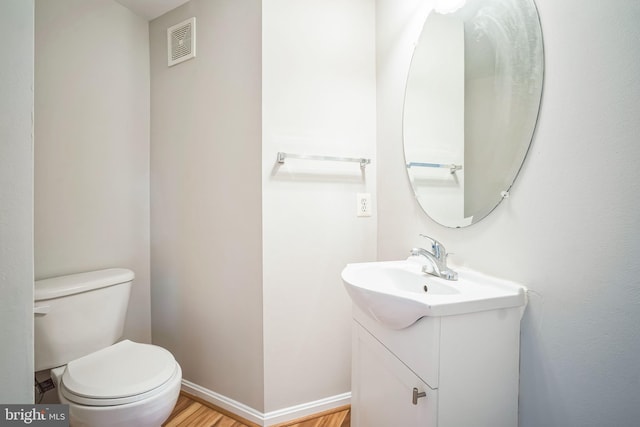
181, 41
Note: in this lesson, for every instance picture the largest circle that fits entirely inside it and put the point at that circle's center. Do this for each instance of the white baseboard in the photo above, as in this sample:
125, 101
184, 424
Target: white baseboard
224, 402
269, 418
309, 408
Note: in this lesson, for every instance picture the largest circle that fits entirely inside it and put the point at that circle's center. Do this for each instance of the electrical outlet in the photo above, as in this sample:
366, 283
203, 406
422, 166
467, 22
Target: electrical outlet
364, 204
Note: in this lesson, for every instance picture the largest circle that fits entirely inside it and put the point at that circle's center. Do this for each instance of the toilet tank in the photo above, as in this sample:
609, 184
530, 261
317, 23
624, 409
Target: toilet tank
78, 314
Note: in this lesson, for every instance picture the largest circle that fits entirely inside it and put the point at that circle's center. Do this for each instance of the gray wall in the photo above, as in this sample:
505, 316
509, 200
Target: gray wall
569, 231
16, 201
92, 145
247, 254
206, 199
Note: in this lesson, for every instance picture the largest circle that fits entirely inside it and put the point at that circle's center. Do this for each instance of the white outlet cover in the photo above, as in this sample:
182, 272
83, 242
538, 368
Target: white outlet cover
363, 204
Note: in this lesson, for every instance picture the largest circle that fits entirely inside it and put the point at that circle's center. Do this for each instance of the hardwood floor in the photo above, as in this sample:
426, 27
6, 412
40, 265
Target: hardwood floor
191, 411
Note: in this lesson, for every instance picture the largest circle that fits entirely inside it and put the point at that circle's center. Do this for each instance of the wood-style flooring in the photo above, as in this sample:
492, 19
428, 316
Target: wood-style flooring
191, 411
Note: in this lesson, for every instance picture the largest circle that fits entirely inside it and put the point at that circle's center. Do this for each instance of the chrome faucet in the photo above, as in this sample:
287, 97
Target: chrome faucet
437, 258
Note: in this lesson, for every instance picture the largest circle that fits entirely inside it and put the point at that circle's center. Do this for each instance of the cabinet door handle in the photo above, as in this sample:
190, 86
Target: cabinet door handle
417, 395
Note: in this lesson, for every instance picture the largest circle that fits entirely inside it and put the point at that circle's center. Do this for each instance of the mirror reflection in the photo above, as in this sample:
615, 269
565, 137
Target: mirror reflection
471, 105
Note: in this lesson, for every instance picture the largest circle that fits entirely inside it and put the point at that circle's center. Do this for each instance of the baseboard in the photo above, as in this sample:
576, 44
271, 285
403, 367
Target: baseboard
309, 408
269, 418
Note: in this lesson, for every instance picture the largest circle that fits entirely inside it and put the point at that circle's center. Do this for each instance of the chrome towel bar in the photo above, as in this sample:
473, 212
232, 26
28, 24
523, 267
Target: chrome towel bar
363, 162
452, 167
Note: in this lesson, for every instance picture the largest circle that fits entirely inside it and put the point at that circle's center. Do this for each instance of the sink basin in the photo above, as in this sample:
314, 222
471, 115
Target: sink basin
398, 293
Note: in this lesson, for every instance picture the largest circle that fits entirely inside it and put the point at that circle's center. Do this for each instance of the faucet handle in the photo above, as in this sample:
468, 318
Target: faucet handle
439, 250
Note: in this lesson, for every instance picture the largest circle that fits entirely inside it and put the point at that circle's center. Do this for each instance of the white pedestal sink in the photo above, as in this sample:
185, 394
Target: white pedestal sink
455, 345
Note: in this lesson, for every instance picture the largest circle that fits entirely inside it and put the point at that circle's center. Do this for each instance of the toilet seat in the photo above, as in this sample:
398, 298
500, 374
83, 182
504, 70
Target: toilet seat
122, 373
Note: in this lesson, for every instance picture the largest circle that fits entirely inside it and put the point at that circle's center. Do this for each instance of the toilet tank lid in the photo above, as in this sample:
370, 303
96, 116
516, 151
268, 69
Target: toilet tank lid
61, 286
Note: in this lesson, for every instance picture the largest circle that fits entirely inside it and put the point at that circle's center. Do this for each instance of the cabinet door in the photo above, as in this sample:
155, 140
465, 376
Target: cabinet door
382, 388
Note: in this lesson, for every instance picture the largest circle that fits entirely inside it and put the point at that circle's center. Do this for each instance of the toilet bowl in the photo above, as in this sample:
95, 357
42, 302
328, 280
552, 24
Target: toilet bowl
126, 384
104, 381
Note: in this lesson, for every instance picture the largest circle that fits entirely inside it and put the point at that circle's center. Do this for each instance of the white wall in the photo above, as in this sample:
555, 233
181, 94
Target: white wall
246, 260
569, 231
318, 98
16, 201
206, 247
92, 145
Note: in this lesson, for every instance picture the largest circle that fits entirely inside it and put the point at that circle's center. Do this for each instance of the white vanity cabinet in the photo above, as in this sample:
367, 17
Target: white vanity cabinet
383, 388
466, 365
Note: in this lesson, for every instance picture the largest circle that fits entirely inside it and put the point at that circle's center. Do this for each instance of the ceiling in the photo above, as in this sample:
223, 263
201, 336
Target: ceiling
151, 9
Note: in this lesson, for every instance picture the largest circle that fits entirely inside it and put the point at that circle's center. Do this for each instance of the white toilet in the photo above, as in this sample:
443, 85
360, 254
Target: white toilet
78, 321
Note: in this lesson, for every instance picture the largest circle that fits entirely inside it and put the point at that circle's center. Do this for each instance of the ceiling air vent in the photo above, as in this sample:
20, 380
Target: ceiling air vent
181, 41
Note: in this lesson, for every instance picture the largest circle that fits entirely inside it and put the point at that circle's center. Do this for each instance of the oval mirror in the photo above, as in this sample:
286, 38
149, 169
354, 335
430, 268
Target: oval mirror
471, 105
